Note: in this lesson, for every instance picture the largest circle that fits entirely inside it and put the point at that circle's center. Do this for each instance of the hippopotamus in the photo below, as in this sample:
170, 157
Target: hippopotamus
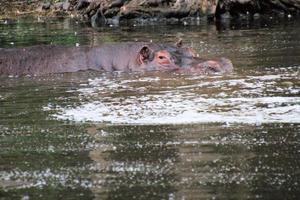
126, 57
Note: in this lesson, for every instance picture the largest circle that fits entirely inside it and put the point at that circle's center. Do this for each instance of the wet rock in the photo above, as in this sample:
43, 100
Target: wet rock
190, 21
113, 12
114, 21
256, 16
46, 6
98, 19
172, 20
82, 4
116, 3
225, 15
270, 7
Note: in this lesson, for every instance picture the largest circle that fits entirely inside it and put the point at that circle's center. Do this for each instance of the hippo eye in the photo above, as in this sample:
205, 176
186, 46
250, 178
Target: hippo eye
161, 57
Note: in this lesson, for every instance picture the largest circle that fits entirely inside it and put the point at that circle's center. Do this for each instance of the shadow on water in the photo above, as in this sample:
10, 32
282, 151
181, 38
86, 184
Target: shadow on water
93, 135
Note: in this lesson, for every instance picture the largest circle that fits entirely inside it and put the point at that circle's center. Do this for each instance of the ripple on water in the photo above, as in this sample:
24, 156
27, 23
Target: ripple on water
253, 99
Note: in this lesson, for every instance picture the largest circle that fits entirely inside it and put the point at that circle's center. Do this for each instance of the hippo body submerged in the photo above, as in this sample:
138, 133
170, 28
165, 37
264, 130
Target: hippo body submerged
127, 57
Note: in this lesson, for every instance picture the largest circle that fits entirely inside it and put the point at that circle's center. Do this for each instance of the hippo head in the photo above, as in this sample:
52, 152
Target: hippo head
190, 62
150, 60
181, 59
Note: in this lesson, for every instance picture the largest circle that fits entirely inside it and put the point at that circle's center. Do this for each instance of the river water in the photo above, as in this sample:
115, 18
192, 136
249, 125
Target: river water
94, 135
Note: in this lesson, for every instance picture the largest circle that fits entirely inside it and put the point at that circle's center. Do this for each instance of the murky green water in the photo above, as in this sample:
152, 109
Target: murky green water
93, 135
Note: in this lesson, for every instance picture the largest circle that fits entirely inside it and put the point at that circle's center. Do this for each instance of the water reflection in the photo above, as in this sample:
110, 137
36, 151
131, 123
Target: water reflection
195, 162
134, 162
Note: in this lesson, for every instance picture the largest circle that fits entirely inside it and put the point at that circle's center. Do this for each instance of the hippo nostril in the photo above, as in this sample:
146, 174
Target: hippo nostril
215, 69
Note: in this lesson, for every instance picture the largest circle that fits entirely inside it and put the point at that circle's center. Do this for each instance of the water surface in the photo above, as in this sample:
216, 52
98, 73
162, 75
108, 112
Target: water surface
93, 135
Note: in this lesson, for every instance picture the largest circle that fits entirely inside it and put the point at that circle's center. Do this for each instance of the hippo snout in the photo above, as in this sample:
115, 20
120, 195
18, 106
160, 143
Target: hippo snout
226, 65
221, 65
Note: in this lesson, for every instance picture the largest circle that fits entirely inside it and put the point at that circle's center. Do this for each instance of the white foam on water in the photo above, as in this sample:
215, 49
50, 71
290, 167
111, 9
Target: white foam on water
182, 105
164, 110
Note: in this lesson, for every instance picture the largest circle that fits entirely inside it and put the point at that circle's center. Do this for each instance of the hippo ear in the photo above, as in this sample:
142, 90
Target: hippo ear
144, 54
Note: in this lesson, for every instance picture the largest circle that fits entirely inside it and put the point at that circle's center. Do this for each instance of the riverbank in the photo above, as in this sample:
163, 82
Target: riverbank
115, 12
50, 8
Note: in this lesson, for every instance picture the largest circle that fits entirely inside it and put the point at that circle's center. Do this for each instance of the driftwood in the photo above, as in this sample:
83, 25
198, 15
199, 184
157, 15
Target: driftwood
113, 11
147, 8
